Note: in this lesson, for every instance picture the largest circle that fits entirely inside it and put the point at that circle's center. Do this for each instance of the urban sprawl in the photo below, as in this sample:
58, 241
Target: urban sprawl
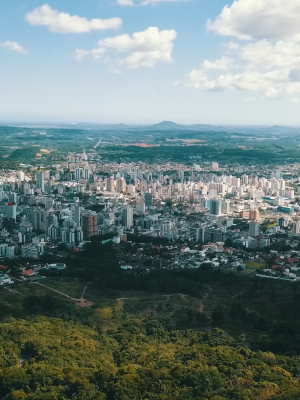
199, 215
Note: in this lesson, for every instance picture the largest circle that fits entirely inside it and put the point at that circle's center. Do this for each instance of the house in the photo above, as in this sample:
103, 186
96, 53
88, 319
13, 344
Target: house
185, 249
27, 273
5, 280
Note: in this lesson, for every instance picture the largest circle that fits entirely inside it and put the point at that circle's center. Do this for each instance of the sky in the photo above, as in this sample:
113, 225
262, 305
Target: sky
145, 61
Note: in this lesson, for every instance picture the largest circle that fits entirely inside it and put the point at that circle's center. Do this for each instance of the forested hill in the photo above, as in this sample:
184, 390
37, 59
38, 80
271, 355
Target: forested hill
52, 359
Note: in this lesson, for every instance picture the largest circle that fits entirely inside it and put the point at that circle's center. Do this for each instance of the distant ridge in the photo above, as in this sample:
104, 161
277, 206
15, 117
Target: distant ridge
173, 125
165, 125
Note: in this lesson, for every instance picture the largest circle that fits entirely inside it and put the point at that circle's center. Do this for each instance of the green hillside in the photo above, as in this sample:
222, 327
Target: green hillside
52, 359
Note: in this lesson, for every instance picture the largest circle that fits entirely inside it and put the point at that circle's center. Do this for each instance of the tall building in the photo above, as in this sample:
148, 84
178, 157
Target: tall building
89, 225
110, 184
21, 176
140, 206
225, 206
215, 207
148, 199
86, 173
282, 222
11, 211
127, 217
75, 213
48, 203
181, 175
40, 180
215, 166
77, 173
121, 185
296, 228
254, 215
253, 229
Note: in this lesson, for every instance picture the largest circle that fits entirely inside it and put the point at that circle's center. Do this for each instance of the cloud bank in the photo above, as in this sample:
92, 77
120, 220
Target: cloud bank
61, 22
144, 49
269, 64
259, 19
145, 2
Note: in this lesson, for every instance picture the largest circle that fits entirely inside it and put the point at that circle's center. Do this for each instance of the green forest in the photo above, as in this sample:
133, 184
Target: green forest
165, 335
51, 359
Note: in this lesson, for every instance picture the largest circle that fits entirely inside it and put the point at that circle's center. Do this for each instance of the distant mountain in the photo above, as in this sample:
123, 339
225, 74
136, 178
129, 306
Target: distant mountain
166, 125
173, 125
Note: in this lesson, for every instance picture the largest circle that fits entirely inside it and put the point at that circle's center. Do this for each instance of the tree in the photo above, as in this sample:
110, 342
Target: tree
218, 316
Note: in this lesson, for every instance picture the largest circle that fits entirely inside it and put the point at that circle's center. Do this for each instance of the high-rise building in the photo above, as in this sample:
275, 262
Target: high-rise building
296, 228
21, 176
254, 215
245, 179
148, 199
11, 211
77, 173
140, 206
253, 229
86, 173
127, 217
282, 222
40, 180
225, 207
75, 213
215, 166
110, 184
181, 175
48, 203
121, 185
89, 225
215, 207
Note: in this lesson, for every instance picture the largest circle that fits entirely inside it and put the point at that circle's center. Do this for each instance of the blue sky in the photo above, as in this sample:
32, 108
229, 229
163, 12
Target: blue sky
242, 68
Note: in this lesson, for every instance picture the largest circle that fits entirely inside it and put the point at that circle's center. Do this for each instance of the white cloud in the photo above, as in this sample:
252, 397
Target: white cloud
153, 2
125, 2
223, 63
145, 2
231, 47
259, 19
272, 70
96, 54
295, 100
60, 22
145, 49
249, 99
13, 46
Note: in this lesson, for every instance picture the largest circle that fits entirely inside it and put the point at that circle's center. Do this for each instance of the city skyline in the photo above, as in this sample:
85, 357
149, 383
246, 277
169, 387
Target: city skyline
137, 62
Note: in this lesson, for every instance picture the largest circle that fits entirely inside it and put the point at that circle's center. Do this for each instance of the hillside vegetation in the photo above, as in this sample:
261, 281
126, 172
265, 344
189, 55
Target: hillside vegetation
52, 359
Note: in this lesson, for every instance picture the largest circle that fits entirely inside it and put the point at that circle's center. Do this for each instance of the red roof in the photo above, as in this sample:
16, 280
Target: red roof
293, 260
3, 267
28, 272
277, 267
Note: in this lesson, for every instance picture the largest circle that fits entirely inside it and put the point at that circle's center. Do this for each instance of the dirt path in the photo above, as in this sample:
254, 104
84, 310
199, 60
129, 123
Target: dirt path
56, 291
13, 291
83, 302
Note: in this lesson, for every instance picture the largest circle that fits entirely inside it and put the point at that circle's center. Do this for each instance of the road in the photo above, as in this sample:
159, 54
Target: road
97, 144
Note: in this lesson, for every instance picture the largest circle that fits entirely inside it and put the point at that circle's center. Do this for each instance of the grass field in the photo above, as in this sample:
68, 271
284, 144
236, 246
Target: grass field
182, 310
254, 264
73, 289
249, 271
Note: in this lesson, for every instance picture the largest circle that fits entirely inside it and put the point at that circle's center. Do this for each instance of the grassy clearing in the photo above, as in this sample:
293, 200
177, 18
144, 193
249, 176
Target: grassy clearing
73, 289
249, 271
106, 313
254, 264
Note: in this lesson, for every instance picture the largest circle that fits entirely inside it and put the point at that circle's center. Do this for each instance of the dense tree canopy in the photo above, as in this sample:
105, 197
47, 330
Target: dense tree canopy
49, 358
